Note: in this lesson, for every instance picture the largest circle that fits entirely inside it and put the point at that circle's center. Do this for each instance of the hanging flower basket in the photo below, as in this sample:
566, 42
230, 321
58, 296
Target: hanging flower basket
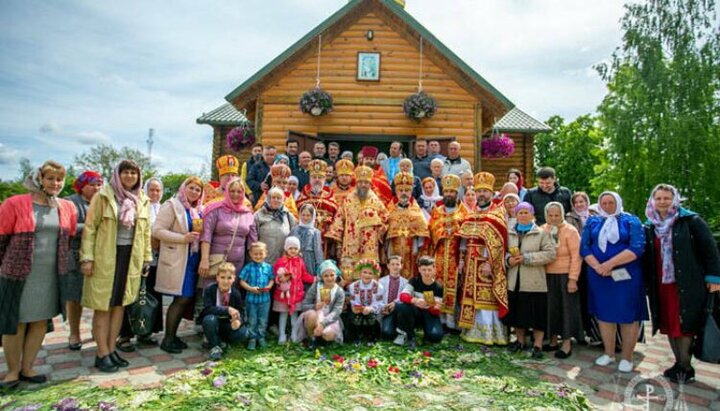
498, 146
241, 137
419, 106
316, 102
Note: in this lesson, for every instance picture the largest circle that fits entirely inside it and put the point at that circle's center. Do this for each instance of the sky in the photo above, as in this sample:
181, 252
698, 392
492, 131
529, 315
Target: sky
74, 74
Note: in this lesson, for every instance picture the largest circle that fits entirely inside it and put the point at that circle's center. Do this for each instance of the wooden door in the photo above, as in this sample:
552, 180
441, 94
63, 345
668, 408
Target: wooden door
305, 141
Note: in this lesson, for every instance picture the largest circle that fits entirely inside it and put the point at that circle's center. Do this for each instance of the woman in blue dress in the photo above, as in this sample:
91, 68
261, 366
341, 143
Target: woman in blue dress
612, 243
178, 227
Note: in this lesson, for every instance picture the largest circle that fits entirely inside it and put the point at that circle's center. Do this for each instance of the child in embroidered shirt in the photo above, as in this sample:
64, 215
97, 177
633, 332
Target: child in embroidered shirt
257, 279
366, 296
220, 316
290, 274
310, 239
393, 284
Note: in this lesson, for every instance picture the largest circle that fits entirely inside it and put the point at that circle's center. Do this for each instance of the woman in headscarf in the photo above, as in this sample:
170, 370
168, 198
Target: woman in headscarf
86, 185
35, 235
430, 197
274, 223
228, 229
682, 267
292, 187
564, 318
154, 190
530, 250
612, 243
510, 201
577, 217
310, 238
470, 199
115, 252
178, 227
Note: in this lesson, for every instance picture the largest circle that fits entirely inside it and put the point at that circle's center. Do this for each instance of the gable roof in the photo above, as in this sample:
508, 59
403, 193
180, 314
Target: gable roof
249, 89
518, 121
225, 115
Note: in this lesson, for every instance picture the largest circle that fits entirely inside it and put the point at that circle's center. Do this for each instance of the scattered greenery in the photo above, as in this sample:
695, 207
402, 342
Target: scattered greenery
104, 157
451, 375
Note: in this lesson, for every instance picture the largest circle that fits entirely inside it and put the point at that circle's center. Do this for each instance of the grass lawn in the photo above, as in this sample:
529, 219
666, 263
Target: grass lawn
449, 376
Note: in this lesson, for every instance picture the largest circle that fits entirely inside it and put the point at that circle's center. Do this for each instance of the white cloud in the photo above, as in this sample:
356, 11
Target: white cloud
8, 155
91, 138
50, 128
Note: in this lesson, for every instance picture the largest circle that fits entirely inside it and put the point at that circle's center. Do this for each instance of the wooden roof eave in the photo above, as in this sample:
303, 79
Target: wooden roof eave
474, 83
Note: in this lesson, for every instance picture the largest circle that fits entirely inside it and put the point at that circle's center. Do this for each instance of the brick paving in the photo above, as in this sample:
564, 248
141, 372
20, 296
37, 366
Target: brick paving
604, 387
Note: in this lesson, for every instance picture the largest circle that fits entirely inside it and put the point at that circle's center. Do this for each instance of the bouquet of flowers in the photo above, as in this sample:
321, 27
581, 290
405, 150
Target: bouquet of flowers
419, 105
498, 146
316, 102
240, 137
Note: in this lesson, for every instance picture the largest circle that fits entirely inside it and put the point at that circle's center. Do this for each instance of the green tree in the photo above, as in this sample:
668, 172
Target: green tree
10, 188
171, 183
661, 115
574, 150
104, 157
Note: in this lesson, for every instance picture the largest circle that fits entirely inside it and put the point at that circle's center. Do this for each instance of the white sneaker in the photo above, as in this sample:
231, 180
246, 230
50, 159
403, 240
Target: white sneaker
625, 366
604, 360
400, 339
282, 340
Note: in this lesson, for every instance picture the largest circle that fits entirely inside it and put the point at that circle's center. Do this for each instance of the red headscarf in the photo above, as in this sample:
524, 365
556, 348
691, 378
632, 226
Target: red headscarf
87, 177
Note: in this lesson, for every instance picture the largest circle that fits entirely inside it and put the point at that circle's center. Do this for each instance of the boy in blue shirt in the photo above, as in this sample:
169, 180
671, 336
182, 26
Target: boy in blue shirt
257, 279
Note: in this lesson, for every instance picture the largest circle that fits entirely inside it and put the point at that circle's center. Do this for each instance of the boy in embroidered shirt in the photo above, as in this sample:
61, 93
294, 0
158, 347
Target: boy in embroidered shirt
220, 316
393, 284
257, 279
421, 302
366, 296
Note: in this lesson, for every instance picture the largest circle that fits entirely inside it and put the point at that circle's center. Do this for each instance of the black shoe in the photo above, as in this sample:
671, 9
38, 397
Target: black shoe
680, 375
147, 340
312, 344
125, 345
516, 347
105, 364
180, 344
35, 379
672, 370
118, 360
560, 354
169, 347
75, 346
549, 348
10, 385
537, 353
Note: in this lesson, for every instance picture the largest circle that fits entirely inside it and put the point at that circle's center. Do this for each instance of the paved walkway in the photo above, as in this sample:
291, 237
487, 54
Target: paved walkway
604, 386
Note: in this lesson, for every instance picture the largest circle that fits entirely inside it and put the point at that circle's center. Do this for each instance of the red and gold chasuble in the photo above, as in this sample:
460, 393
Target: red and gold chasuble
339, 193
485, 233
405, 225
446, 250
325, 207
360, 227
381, 186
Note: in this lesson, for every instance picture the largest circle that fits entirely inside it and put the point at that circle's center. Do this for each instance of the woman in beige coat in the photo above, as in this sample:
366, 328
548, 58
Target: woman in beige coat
530, 249
115, 251
178, 226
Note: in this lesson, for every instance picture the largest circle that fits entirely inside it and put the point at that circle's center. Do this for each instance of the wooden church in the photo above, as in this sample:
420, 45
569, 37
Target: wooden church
370, 56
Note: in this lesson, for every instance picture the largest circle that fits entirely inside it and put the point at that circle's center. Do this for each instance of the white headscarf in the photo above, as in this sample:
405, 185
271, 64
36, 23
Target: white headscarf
154, 207
609, 233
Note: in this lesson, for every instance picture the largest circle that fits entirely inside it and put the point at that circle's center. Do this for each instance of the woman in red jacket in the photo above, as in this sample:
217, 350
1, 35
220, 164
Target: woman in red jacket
35, 232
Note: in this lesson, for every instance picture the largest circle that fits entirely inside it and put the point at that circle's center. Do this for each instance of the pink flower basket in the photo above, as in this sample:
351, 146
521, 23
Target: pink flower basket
498, 146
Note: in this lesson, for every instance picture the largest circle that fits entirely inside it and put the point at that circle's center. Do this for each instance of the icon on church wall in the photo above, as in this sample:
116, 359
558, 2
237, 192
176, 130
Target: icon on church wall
368, 66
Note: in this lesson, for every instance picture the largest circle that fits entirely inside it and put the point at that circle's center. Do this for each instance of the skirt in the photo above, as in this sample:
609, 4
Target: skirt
527, 310
71, 286
670, 311
299, 333
564, 317
122, 265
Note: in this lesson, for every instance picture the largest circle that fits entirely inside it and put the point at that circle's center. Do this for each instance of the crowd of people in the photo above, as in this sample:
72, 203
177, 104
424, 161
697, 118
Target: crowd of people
349, 248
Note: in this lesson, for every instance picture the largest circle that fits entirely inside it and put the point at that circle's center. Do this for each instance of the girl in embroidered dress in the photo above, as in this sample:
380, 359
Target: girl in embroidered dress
290, 274
366, 301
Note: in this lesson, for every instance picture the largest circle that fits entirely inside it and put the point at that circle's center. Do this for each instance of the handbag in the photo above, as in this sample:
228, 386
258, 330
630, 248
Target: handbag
216, 260
142, 313
707, 343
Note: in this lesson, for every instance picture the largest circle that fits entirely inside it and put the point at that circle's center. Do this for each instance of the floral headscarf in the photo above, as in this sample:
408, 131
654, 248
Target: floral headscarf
663, 229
